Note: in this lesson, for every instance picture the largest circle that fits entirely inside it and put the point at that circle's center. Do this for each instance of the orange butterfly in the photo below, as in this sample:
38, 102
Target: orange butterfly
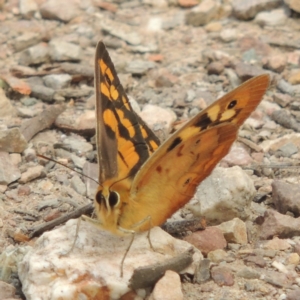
141, 184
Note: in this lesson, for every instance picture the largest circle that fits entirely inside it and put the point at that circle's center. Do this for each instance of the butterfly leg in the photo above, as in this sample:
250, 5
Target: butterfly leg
75, 239
82, 218
148, 235
126, 252
147, 219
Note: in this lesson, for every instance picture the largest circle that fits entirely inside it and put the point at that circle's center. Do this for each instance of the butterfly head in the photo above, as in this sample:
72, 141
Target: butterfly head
107, 206
109, 202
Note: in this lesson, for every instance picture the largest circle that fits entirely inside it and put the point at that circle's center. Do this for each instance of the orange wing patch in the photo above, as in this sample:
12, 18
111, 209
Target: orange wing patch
130, 141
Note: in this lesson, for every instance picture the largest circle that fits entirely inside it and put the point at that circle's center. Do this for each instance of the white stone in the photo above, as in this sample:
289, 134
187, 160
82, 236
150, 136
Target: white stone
227, 193
93, 266
31, 173
9, 172
275, 17
280, 267
57, 81
277, 143
228, 35
28, 8
155, 24
168, 287
158, 118
91, 170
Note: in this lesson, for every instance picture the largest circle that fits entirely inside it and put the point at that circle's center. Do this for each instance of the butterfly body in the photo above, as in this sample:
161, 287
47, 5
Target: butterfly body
141, 183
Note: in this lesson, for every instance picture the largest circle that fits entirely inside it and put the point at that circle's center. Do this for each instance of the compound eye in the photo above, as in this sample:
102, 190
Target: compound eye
114, 199
100, 198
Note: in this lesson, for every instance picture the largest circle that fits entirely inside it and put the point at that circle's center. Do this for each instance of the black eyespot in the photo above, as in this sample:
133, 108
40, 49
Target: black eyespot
232, 104
100, 198
113, 199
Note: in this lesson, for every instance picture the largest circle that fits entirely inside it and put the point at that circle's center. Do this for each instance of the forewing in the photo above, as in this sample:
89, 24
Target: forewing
123, 144
224, 117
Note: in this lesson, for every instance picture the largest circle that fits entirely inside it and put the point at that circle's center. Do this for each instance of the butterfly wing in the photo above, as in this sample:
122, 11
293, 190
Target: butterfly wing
170, 176
124, 141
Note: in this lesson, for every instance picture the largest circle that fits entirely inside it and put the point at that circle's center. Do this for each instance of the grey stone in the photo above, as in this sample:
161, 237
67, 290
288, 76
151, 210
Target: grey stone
250, 55
287, 150
57, 81
283, 100
121, 30
248, 273
64, 51
26, 40
286, 87
78, 161
29, 101
78, 185
276, 279
247, 71
35, 55
202, 272
139, 67
223, 193
78, 144
42, 92
59, 10
246, 10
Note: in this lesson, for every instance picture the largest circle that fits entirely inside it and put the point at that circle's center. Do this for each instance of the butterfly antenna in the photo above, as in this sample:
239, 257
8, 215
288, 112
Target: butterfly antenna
119, 181
50, 159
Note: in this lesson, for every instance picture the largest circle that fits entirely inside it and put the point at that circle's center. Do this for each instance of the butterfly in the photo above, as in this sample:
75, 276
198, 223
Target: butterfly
142, 183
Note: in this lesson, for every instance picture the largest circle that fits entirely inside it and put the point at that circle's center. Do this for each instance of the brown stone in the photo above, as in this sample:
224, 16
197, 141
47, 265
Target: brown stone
222, 276
188, 3
276, 224
286, 197
207, 240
